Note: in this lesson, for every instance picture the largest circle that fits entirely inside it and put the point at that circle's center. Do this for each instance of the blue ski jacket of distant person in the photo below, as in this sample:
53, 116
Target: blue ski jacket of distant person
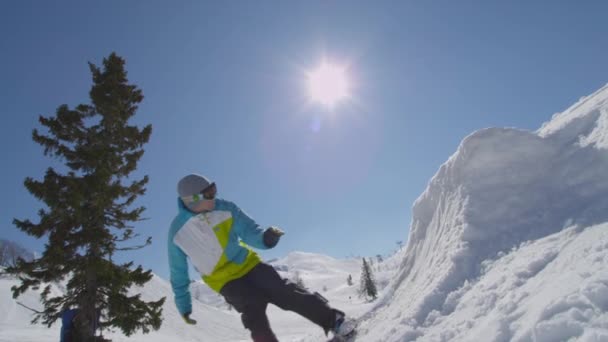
216, 242
67, 325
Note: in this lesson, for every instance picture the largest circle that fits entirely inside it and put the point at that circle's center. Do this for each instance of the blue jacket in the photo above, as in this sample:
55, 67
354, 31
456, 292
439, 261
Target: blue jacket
212, 242
67, 324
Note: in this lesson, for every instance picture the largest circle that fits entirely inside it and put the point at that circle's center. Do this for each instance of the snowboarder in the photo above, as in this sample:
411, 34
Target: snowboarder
215, 235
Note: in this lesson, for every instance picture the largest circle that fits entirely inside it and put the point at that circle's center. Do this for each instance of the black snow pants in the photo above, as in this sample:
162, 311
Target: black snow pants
250, 296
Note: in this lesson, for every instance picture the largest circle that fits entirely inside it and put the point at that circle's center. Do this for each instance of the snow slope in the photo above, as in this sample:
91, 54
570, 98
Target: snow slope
496, 233
216, 322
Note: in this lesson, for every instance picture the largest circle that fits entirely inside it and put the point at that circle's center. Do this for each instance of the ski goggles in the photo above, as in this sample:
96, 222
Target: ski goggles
207, 193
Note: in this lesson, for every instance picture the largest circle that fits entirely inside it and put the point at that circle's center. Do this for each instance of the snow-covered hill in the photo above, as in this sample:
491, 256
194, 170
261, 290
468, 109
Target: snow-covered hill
508, 242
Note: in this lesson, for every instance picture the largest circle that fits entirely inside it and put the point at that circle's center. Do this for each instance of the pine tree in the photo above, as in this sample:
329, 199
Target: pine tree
368, 284
349, 280
89, 210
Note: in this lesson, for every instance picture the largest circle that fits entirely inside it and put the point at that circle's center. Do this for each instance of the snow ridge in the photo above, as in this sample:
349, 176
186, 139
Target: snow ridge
502, 189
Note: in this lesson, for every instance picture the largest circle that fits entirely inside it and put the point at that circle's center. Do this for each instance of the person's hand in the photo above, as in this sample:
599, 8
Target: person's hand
188, 320
272, 236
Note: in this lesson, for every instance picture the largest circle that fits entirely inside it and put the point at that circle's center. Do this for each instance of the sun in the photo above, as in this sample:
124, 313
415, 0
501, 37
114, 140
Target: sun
328, 84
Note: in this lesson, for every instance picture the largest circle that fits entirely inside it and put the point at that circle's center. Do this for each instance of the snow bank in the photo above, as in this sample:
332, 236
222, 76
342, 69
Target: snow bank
501, 189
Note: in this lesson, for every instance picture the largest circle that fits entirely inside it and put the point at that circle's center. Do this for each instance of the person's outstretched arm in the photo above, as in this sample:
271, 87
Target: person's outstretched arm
250, 232
180, 279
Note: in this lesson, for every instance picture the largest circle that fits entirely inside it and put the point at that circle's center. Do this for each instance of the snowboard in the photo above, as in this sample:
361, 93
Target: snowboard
341, 338
350, 331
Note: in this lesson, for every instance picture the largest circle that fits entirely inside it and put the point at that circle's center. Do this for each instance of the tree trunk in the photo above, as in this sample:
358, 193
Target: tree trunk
87, 318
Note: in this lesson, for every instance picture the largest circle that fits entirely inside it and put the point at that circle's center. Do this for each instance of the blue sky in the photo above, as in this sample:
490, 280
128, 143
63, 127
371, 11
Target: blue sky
225, 92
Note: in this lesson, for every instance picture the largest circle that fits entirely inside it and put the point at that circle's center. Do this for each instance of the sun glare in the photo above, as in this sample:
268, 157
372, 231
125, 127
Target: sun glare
328, 84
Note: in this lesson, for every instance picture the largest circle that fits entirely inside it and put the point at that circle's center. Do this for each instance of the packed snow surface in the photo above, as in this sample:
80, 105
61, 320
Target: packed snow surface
509, 242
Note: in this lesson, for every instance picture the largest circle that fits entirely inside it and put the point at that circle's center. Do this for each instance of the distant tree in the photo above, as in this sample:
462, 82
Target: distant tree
349, 280
324, 288
379, 258
89, 210
400, 244
367, 286
11, 251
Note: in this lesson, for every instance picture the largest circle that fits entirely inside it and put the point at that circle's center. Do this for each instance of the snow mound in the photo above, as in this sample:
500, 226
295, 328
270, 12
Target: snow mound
502, 189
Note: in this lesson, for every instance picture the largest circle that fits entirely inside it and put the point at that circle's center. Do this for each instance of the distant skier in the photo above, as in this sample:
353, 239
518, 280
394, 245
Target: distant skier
67, 325
215, 235
68, 322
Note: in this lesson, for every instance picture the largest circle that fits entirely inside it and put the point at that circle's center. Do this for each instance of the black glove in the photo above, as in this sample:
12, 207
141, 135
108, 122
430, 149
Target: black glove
272, 236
